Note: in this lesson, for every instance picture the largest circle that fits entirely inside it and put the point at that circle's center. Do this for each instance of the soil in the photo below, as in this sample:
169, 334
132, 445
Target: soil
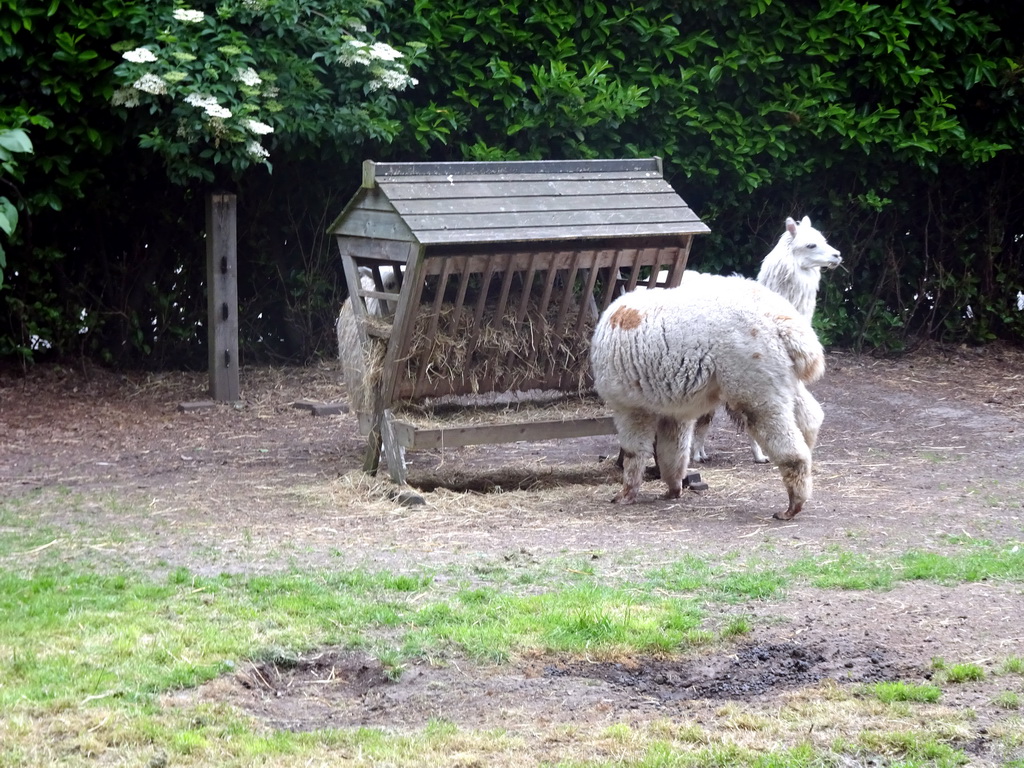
922, 452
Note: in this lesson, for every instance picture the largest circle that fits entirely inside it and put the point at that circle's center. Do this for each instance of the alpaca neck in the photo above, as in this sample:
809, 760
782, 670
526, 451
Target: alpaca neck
780, 273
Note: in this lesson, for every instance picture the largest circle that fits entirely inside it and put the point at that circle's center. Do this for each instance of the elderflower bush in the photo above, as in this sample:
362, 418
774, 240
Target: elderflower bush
219, 85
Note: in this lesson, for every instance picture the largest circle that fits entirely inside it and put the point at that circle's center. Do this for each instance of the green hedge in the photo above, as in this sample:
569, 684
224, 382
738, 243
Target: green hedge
895, 127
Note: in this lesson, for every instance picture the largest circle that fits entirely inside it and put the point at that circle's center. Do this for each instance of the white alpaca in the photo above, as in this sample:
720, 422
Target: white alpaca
350, 348
792, 269
661, 359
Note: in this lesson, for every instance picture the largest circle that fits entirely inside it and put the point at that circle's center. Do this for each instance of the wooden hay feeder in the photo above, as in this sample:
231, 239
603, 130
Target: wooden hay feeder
502, 270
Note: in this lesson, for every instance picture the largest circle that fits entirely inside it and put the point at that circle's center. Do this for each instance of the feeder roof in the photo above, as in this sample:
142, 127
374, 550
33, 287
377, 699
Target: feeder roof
515, 201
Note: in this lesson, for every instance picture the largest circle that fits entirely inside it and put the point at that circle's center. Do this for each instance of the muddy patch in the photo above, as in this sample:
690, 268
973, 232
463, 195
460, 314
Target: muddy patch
341, 688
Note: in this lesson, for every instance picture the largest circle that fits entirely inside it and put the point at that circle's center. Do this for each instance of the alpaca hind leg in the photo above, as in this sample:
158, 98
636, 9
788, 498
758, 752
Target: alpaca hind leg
756, 452
740, 419
636, 437
672, 452
698, 448
809, 415
785, 445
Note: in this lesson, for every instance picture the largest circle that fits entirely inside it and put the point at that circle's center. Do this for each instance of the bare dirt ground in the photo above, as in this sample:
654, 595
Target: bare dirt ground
918, 453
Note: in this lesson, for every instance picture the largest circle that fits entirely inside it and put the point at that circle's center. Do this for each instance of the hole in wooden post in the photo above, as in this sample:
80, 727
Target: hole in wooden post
224, 311
227, 359
224, 265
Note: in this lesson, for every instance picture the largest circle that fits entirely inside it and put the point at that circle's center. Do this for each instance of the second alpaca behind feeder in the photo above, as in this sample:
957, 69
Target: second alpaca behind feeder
793, 270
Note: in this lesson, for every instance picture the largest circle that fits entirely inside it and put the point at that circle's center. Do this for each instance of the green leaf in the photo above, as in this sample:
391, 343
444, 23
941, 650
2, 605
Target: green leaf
8, 216
15, 140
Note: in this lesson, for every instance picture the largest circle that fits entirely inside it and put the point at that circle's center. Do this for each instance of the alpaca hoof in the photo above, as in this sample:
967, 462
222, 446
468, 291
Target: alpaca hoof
762, 460
672, 493
789, 514
624, 496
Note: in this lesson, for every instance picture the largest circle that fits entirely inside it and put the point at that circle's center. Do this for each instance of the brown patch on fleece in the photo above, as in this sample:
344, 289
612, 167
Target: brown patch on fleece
626, 318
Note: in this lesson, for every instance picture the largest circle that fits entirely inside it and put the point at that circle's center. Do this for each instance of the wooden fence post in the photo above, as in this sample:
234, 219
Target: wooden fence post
222, 295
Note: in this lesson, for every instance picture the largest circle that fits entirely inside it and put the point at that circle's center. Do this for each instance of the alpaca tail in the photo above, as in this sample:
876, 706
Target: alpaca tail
803, 347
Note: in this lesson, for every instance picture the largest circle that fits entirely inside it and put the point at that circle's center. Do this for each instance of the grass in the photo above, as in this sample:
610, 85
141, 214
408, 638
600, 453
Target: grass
1014, 666
91, 650
1008, 700
958, 673
889, 692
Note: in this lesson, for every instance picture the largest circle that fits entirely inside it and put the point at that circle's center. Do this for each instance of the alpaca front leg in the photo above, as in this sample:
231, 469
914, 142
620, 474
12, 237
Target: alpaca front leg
698, 449
636, 437
756, 452
672, 452
632, 477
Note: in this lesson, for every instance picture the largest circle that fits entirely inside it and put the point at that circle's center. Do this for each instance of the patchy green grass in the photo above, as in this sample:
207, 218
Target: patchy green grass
912, 748
957, 673
845, 570
900, 691
91, 652
1008, 700
1013, 666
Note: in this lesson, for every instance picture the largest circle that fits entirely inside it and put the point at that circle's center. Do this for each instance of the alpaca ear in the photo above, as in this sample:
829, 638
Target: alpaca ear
806, 222
791, 226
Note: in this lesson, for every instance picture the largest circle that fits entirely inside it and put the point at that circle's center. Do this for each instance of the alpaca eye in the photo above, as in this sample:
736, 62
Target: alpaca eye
812, 245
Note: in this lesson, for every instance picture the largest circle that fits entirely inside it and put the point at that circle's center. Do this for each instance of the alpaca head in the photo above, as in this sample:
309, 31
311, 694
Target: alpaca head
808, 246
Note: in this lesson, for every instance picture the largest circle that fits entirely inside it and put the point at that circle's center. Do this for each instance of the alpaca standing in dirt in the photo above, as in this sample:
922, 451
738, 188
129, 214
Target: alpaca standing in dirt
661, 359
793, 270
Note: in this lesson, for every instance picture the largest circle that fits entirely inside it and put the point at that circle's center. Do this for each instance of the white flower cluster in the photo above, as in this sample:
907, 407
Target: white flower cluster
208, 104
151, 83
127, 97
257, 151
358, 52
384, 52
248, 76
255, 126
392, 80
189, 17
139, 56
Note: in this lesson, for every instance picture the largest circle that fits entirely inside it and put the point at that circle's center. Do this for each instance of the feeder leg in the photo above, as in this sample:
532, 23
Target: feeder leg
371, 462
395, 453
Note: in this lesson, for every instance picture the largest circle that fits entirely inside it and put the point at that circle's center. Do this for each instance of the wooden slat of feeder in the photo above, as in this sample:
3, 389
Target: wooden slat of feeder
611, 286
532, 203
575, 217
435, 313
529, 186
524, 300
506, 283
478, 310
550, 277
521, 235
393, 251
419, 438
557, 333
634, 271
397, 349
518, 320
588, 295
460, 297
604, 253
489, 381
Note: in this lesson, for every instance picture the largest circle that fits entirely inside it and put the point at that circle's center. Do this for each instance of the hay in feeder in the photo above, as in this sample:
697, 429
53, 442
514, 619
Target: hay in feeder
500, 354
464, 357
